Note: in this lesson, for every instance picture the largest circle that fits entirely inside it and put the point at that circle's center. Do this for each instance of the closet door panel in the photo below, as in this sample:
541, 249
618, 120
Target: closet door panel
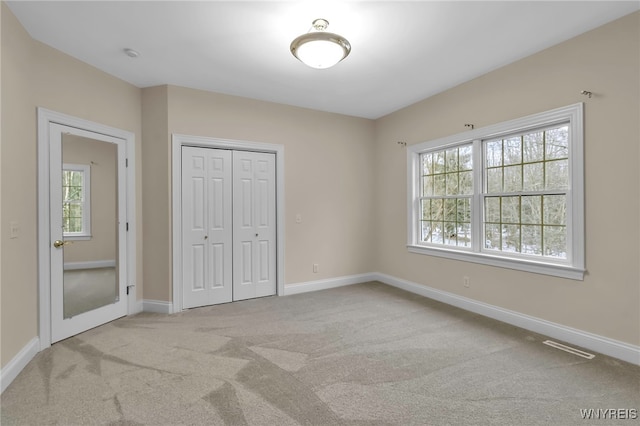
206, 226
254, 224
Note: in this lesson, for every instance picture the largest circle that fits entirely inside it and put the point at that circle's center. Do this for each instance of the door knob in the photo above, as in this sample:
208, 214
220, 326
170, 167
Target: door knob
60, 243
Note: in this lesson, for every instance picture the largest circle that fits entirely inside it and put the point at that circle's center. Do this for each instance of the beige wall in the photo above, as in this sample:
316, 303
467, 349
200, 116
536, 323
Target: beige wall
101, 157
156, 166
604, 61
35, 75
328, 176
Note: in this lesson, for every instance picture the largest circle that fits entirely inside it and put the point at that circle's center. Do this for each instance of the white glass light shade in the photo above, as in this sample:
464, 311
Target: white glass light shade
320, 49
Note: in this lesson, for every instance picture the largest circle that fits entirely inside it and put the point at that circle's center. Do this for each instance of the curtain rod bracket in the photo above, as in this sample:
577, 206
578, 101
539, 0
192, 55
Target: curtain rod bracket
586, 93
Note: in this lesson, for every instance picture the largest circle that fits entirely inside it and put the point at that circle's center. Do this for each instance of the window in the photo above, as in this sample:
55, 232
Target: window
76, 200
508, 195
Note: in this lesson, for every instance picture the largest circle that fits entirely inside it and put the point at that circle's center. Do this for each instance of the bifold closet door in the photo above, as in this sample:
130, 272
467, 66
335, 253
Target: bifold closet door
228, 226
254, 225
207, 237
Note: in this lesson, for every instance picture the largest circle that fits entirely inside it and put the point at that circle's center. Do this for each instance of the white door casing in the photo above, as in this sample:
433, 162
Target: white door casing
51, 126
206, 226
254, 227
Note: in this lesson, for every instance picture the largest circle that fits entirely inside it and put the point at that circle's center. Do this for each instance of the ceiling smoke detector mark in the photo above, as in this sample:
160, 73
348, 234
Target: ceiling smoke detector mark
131, 53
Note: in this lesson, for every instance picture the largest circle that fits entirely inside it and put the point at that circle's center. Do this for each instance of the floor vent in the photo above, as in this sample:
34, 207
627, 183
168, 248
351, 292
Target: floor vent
569, 349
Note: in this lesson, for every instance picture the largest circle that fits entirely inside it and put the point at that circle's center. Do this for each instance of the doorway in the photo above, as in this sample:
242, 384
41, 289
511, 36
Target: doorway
228, 225
230, 249
86, 243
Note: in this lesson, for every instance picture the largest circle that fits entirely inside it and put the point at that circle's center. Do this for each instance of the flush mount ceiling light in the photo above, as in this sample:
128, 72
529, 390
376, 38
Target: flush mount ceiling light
318, 48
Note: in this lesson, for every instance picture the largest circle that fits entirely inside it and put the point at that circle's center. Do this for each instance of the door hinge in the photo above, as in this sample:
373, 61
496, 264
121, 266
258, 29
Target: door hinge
127, 227
129, 287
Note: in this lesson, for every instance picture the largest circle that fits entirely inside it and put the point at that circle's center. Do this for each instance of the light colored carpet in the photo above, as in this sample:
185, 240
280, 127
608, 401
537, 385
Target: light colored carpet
88, 289
366, 354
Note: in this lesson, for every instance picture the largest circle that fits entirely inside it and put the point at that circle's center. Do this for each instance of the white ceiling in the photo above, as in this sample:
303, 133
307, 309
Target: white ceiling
402, 52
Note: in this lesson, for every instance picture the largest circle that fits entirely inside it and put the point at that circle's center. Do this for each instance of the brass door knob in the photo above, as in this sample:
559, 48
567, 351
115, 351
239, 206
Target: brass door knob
60, 243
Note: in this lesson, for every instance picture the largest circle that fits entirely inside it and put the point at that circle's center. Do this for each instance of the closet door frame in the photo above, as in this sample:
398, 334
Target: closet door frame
178, 141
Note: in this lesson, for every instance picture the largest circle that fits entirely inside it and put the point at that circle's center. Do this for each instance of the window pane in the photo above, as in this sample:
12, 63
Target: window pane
532, 240
427, 185
73, 193
437, 232
65, 224
427, 161
466, 183
511, 238
464, 210
533, 177
557, 143
493, 153
466, 157
511, 210
492, 209
75, 210
533, 147
493, 237
557, 174
512, 151
426, 209
532, 210
452, 160
513, 178
450, 210
464, 235
555, 210
426, 231
437, 212
494, 180
438, 162
75, 224
452, 183
555, 241
439, 185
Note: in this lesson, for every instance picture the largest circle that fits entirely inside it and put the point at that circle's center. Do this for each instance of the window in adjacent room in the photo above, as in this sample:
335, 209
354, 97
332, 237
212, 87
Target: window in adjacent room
76, 200
507, 195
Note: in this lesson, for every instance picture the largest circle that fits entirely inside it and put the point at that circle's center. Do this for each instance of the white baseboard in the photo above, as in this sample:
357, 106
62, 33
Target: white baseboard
138, 306
20, 361
90, 264
157, 306
307, 286
614, 348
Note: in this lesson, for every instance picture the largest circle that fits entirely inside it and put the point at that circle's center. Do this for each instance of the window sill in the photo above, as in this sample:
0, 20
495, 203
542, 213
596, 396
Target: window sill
562, 271
77, 237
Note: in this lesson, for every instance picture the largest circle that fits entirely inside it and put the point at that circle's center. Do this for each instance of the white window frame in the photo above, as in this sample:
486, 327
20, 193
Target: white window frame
86, 201
573, 267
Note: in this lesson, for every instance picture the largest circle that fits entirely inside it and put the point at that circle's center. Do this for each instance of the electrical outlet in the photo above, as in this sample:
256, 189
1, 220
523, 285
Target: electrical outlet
465, 281
316, 267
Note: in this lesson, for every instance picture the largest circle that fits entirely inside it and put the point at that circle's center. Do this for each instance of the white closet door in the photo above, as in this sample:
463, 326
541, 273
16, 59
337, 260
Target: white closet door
206, 226
254, 225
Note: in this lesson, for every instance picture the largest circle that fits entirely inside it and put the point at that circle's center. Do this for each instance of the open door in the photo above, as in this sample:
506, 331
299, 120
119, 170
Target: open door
87, 214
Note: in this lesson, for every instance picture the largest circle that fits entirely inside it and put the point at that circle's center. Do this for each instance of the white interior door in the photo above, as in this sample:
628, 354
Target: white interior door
206, 226
254, 225
88, 265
